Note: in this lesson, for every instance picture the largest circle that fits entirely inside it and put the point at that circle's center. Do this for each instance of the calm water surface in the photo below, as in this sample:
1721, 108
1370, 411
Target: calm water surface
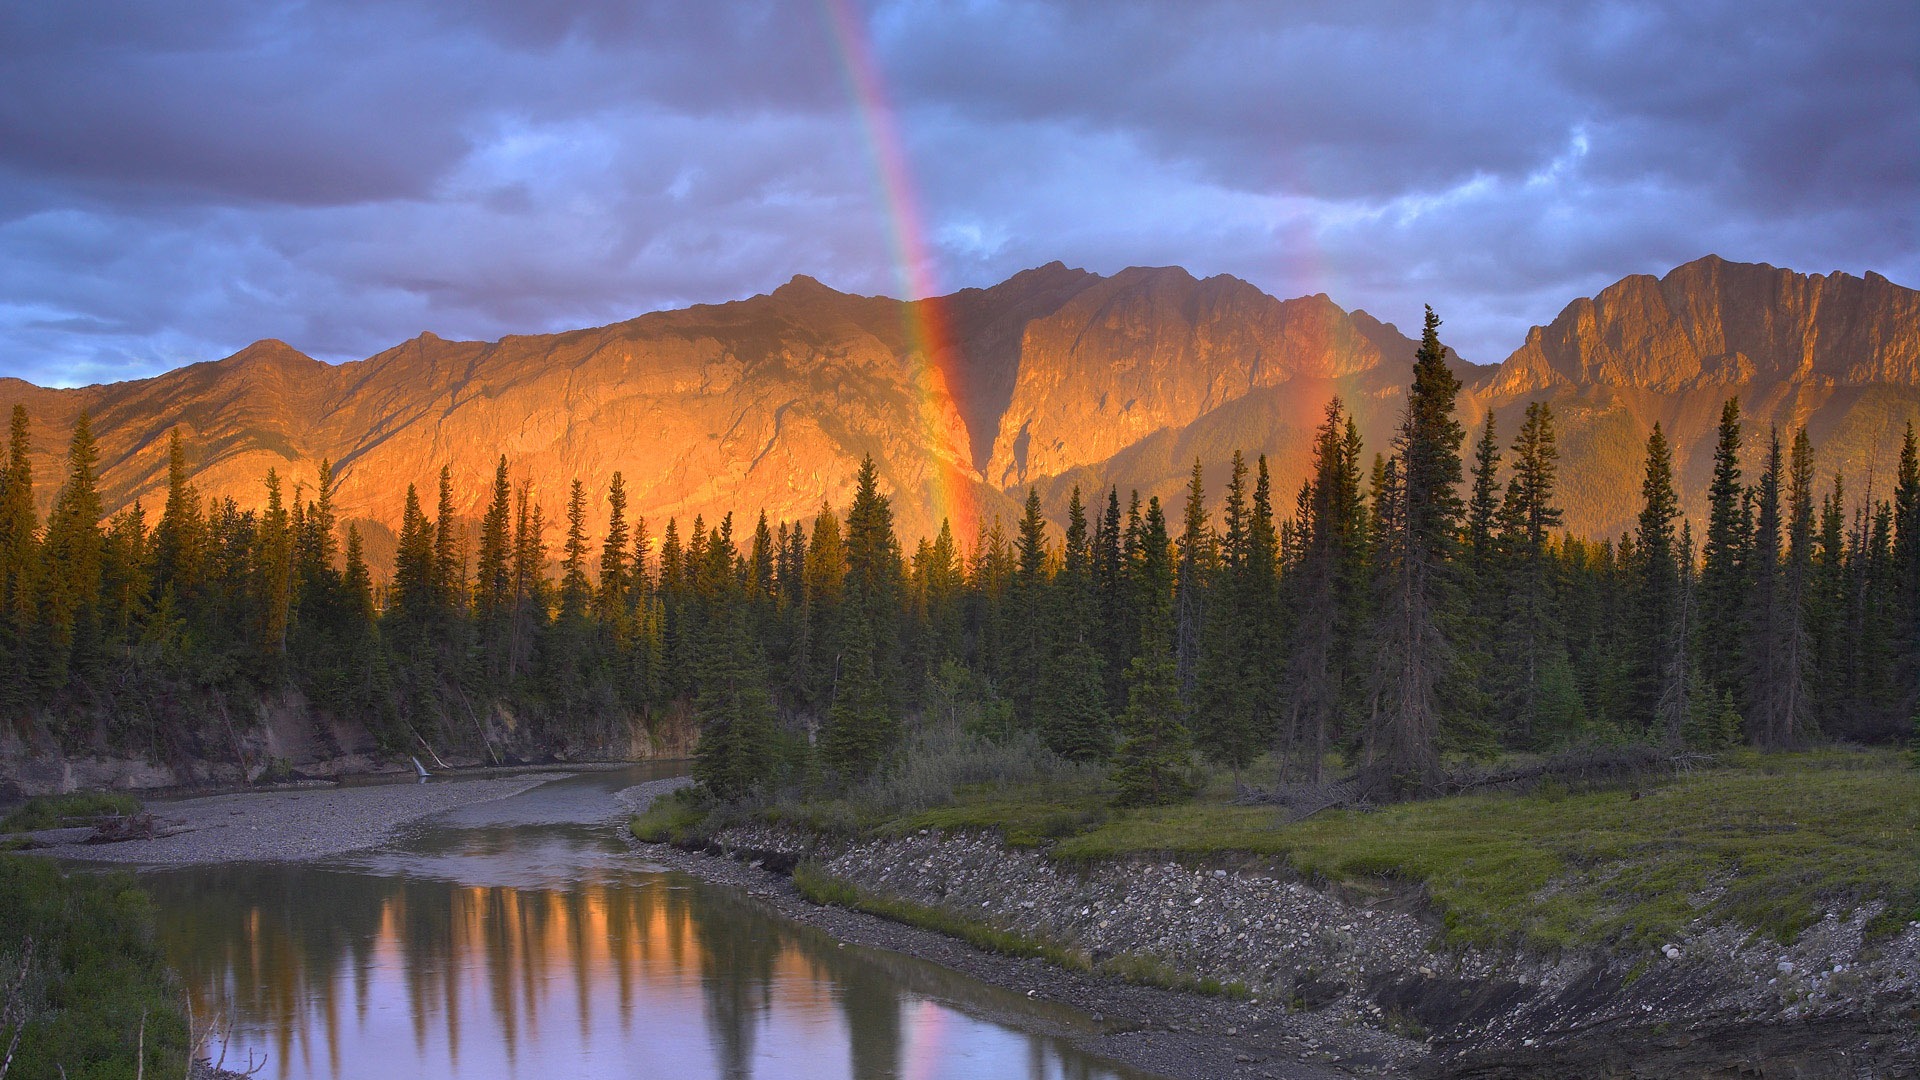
511, 940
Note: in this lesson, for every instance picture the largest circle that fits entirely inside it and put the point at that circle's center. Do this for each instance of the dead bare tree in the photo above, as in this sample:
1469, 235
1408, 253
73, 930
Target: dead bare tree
14, 1011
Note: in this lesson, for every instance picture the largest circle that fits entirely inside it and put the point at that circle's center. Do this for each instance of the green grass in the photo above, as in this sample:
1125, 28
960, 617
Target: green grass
96, 980
54, 811
1769, 842
676, 818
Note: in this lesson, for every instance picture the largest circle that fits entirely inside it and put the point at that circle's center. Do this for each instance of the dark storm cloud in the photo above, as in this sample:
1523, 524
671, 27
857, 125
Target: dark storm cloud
177, 179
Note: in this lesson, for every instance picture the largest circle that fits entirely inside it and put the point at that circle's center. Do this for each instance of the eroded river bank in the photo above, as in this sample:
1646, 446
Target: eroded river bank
1359, 982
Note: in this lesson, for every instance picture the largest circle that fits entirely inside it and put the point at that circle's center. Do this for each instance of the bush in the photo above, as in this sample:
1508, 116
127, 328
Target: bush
674, 818
94, 985
938, 759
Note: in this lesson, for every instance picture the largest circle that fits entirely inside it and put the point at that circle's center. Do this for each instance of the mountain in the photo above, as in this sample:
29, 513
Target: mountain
1836, 353
1055, 377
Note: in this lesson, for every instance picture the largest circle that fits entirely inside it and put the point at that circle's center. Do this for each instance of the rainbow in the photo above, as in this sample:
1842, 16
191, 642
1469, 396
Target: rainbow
931, 349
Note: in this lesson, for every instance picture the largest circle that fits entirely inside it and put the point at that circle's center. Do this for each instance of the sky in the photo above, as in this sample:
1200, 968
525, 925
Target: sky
178, 179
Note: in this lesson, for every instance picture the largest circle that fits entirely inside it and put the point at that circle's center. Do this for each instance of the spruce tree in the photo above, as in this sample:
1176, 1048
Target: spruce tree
274, 567
73, 561
1111, 602
493, 581
412, 599
1660, 663
1790, 716
180, 538
825, 578
860, 727
529, 599
576, 592
1025, 615
736, 756
1328, 600
1070, 698
615, 579
1529, 655
1483, 507
1420, 522
1725, 575
19, 551
1482, 569
1778, 654
1224, 695
874, 581
1905, 570
1153, 763
1199, 558
449, 571
126, 580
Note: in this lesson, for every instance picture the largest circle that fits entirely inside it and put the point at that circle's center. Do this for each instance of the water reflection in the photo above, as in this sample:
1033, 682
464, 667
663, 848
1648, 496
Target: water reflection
494, 947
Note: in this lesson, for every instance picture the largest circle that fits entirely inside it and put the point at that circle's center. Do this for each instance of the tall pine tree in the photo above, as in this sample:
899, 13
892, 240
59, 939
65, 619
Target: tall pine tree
1419, 523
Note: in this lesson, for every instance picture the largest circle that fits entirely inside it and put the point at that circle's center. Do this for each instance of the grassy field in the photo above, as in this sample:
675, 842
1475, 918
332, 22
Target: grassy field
1770, 842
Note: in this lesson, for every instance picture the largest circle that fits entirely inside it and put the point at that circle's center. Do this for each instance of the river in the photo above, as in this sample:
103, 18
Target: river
525, 938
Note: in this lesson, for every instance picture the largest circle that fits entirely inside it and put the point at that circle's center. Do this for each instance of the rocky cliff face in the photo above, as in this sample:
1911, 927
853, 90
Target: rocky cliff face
1056, 378
1712, 323
1153, 350
766, 403
1836, 353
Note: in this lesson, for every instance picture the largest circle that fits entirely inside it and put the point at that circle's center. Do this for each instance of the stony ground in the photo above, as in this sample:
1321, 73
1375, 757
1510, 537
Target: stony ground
288, 826
1168, 1033
1358, 981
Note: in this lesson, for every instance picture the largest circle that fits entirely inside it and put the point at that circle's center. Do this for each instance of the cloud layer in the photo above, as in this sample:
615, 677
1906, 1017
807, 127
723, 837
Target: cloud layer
178, 179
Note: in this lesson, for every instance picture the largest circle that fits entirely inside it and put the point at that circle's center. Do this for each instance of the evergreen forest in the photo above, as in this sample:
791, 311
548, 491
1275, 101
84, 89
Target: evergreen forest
1410, 603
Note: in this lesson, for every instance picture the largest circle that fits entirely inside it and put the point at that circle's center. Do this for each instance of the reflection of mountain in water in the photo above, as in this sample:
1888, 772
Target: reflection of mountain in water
342, 973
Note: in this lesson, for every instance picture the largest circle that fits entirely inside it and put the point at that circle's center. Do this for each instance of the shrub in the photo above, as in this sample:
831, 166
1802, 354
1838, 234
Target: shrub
939, 758
94, 985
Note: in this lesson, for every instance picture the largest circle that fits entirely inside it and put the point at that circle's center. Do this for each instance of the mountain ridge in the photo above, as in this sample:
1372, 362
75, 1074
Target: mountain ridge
1052, 377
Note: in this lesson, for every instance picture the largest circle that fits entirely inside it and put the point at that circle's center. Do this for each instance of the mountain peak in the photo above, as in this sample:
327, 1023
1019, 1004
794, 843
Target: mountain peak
271, 351
1713, 322
803, 286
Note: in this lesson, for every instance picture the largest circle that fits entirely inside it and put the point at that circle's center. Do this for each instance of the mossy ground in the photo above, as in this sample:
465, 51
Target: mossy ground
1769, 842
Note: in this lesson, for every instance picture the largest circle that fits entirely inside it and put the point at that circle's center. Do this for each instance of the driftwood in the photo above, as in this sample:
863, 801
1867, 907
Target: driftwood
122, 827
1584, 768
1298, 802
